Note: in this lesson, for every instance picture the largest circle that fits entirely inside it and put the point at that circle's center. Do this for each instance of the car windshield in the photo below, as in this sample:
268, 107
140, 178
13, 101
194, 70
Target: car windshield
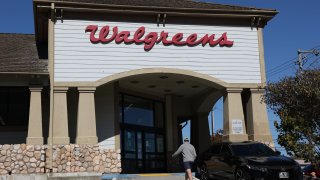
252, 150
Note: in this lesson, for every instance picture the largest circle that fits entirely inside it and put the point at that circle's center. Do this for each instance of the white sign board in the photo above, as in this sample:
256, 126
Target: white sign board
77, 59
237, 126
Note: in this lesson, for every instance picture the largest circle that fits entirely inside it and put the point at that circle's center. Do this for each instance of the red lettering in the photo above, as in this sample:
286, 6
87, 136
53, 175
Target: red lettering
153, 37
150, 41
123, 36
104, 32
176, 39
93, 29
224, 40
138, 35
207, 39
191, 39
163, 37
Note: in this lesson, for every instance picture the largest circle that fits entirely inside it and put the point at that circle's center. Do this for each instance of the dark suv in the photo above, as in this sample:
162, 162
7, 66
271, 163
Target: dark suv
245, 161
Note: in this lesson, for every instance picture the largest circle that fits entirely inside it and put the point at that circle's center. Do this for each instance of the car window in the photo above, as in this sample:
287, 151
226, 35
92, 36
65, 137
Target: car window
225, 149
256, 149
215, 149
308, 168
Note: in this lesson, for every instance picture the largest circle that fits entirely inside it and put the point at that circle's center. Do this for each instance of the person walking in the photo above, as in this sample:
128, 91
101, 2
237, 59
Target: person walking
189, 155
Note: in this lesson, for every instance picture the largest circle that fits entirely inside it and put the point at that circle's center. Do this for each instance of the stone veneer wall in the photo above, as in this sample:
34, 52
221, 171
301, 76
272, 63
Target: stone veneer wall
26, 159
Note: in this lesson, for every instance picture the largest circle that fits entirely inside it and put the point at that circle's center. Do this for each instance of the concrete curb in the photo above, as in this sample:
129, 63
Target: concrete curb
93, 176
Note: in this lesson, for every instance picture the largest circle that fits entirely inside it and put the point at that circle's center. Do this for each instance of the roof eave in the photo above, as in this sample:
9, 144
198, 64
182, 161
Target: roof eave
264, 14
261, 12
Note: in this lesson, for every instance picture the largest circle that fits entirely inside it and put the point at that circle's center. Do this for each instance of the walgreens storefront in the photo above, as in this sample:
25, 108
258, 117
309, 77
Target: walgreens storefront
122, 78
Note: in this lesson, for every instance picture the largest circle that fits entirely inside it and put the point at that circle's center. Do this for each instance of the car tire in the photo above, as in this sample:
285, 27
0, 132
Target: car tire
241, 174
204, 175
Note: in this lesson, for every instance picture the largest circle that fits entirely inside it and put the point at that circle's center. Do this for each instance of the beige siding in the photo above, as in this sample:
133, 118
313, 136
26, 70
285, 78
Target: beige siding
77, 59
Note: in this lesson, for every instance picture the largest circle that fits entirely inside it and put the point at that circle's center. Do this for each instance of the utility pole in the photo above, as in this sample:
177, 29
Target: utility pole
301, 57
212, 122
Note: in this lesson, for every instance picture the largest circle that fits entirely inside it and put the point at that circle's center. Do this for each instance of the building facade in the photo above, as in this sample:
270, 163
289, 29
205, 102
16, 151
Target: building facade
103, 86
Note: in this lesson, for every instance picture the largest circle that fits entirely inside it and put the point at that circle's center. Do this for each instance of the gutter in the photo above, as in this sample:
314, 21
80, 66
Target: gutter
149, 12
203, 10
182, 11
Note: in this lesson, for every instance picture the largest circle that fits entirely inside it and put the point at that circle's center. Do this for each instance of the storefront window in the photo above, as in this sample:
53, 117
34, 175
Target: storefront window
160, 145
130, 144
138, 111
150, 142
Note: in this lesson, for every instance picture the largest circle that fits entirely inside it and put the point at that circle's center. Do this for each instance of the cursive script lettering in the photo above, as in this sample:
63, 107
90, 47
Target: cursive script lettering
152, 38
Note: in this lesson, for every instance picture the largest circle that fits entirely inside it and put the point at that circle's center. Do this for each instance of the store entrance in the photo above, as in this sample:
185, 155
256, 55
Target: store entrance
142, 135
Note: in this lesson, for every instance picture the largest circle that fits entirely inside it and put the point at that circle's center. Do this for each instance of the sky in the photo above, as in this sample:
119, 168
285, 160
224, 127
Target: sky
295, 27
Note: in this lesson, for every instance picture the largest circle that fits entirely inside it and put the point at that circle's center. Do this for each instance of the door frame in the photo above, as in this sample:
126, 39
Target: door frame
143, 129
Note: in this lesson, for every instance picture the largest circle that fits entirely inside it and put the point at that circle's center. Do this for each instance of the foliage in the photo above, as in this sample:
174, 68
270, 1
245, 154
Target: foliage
296, 100
217, 136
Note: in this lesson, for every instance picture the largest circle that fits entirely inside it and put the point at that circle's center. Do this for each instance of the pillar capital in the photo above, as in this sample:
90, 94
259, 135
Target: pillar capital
60, 89
35, 88
87, 89
257, 90
234, 90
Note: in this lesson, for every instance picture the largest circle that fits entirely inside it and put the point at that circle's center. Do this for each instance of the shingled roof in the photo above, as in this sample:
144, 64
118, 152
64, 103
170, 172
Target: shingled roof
163, 3
19, 54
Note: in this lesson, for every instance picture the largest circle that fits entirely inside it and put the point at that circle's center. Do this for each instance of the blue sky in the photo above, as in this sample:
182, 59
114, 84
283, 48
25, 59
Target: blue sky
295, 27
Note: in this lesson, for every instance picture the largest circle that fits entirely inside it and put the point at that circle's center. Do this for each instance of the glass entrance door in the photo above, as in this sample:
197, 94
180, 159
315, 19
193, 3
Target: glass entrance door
142, 135
142, 152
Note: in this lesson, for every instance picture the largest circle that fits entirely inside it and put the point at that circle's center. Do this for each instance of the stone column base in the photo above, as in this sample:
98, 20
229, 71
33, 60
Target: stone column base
59, 140
87, 140
235, 137
35, 140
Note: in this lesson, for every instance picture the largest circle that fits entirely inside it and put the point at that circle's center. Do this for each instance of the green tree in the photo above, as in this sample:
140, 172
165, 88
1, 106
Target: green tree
296, 100
217, 136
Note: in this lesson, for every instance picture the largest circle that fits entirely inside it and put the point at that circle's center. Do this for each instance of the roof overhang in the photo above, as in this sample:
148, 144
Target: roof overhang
43, 11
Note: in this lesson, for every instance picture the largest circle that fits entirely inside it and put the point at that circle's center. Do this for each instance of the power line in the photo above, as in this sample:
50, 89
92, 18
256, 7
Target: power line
315, 63
282, 70
281, 65
288, 64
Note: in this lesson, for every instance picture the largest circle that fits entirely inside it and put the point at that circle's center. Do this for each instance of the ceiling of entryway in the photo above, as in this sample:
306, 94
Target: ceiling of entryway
161, 84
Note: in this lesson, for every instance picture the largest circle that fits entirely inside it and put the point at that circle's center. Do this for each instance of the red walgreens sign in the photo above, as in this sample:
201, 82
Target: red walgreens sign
152, 38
